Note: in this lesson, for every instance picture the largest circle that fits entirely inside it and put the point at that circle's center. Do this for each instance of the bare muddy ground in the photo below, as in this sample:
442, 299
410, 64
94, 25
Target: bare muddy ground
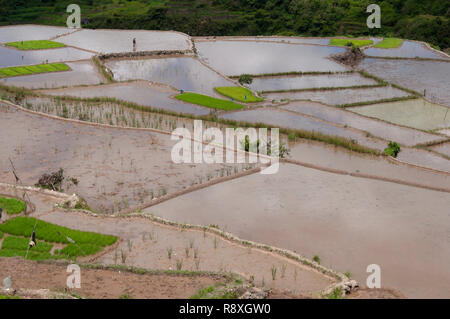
102, 283
150, 243
349, 222
115, 168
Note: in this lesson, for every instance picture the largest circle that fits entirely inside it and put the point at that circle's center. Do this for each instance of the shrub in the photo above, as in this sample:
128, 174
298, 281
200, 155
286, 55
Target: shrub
393, 149
245, 79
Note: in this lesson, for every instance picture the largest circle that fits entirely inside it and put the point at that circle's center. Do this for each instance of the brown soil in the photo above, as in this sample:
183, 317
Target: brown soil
351, 57
383, 293
101, 283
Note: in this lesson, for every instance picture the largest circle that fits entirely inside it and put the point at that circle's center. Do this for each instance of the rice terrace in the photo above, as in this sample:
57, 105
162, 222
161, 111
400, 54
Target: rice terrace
168, 161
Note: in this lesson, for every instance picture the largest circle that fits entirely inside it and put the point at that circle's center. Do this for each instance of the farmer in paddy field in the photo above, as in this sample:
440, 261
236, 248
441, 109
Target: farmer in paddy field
134, 44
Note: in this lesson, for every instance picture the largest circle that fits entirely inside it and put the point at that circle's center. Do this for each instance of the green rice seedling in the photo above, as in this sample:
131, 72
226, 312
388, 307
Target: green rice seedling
123, 256
179, 264
186, 250
274, 272
215, 242
191, 243
130, 244
12, 206
169, 252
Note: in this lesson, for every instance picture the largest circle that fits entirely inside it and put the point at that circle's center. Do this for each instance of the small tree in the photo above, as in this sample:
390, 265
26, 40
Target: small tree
245, 79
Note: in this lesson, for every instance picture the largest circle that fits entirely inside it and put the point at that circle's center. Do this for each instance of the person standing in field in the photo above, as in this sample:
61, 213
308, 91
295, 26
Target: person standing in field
134, 44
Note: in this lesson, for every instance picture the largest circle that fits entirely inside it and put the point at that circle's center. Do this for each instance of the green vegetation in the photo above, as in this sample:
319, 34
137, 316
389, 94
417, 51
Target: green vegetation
350, 42
238, 93
12, 206
33, 69
35, 44
9, 297
414, 19
393, 149
245, 79
389, 43
78, 243
337, 293
208, 101
219, 291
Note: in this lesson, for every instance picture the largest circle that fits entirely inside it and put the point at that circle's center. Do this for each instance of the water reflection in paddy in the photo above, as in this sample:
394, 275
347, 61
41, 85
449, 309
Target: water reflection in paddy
239, 57
142, 93
417, 113
409, 49
381, 129
309, 81
13, 57
432, 76
182, 73
276, 118
344, 96
30, 32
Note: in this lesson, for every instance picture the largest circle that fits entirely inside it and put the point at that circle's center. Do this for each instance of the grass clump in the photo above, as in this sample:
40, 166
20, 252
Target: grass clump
208, 101
33, 69
21, 243
35, 44
12, 206
336, 294
350, 42
389, 43
238, 93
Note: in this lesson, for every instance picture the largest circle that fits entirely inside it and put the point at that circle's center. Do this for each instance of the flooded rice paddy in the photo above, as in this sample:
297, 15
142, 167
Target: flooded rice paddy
381, 129
278, 118
443, 148
139, 92
416, 113
409, 49
117, 41
31, 32
238, 57
342, 96
280, 83
432, 76
362, 222
82, 73
13, 57
184, 73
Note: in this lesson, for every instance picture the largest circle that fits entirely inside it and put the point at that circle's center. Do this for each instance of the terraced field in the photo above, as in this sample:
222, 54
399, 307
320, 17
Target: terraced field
338, 203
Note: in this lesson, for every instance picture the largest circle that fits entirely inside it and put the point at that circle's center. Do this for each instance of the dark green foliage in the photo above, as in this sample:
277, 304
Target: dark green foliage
245, 79
412, 19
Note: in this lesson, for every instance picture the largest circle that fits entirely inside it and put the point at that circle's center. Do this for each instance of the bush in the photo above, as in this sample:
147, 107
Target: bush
245, 79
393, 149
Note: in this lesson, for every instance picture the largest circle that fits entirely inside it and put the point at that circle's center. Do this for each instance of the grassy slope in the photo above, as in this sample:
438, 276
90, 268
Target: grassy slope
33, 69
346, 42
12, 206
389, 43
238, 93
208, 101
35, 44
